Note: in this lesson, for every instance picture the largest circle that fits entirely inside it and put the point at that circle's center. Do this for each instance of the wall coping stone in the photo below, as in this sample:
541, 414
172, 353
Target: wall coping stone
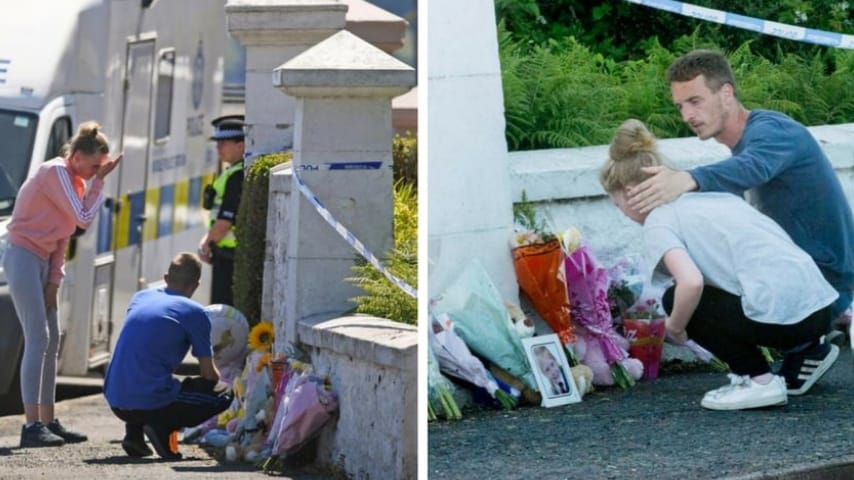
284, 22
365, 337
570, 173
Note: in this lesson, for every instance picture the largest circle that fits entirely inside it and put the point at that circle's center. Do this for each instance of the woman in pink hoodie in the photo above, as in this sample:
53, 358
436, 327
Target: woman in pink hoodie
48, 209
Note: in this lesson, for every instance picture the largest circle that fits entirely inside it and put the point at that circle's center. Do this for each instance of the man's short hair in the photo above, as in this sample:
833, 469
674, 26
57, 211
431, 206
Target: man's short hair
185, 269
713, 65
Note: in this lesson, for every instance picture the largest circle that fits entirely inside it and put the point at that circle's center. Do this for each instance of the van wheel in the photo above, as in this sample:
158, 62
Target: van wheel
10, 402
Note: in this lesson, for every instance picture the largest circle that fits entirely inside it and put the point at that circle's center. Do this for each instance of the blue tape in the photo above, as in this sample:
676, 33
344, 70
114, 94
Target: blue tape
782, 30
350, 238
324, 166
340, 166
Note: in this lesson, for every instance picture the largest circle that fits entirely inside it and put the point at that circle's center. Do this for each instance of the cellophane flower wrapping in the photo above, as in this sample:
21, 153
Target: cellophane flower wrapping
474, 305
646, 342
539, 272
281, 387
308, 407
455, 359
627, 285
587, 282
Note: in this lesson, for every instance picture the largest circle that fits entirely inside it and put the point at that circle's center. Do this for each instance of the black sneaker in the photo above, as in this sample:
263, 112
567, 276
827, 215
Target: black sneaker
802, 369
70, 437
136, 448
159, 438
38, 435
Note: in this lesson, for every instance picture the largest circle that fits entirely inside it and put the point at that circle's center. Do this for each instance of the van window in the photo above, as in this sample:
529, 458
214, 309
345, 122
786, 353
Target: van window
17, 136
165, 82
60, 133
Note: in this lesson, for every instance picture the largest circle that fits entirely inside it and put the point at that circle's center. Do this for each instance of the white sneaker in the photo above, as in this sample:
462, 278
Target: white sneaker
743, 393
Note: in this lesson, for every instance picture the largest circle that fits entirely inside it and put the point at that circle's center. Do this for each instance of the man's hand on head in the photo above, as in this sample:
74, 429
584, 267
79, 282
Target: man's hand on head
664, 185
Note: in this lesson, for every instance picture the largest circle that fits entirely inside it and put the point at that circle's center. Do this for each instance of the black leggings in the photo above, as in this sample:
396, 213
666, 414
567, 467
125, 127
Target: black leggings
720, 326
196, 403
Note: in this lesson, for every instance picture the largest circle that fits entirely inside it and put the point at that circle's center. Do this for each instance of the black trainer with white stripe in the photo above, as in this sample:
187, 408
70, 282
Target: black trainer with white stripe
803, 369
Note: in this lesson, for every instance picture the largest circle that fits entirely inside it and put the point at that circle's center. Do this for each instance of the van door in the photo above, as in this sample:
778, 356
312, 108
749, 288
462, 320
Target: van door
133, 212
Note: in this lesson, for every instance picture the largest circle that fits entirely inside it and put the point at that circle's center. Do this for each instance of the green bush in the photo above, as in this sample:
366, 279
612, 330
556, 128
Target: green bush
251, 233
405, 154
383, 298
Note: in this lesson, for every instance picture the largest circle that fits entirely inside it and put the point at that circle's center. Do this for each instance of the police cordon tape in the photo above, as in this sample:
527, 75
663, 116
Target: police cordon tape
335, 224
346, 234
782, 30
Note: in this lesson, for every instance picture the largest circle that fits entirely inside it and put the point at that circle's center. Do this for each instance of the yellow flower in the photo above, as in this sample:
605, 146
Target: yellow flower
262, 362
261, 337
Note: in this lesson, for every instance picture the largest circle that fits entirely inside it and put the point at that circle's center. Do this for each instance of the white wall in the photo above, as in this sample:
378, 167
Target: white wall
470, 208
564, 183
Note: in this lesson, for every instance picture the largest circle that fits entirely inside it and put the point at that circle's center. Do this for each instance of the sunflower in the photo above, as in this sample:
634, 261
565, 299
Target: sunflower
261, 337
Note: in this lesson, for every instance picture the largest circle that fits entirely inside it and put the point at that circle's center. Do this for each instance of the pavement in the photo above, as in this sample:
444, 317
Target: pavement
656, 430
102, 457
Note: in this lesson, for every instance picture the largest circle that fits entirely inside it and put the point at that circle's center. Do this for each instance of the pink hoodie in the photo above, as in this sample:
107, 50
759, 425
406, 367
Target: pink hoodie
48, 208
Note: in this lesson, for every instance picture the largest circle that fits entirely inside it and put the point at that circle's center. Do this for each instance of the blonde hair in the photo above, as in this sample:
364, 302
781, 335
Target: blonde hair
89, 140
633, 147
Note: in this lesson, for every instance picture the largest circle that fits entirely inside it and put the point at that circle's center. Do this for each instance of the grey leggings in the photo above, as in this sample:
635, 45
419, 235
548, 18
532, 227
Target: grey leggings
27, 275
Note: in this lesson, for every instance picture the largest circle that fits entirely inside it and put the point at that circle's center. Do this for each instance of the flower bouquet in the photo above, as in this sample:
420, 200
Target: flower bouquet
481, 320
587, 283
627, 284
440, 400
456, 360
538, 262
644, 327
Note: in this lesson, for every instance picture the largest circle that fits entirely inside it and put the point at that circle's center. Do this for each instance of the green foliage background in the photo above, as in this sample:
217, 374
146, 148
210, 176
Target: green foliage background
252, 237
382, 298
573, 71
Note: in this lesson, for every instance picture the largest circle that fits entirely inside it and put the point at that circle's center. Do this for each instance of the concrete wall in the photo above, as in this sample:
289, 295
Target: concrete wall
564, 183
373, 366
470, 206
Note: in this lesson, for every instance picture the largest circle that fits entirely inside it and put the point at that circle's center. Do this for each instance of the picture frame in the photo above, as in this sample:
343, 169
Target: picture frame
551, 369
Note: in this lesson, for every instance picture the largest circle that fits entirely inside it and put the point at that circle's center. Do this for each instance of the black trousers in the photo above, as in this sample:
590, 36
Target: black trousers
720, 326
196, 403
222, 263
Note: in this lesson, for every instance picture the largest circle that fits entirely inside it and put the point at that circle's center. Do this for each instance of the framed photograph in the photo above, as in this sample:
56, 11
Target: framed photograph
551, 369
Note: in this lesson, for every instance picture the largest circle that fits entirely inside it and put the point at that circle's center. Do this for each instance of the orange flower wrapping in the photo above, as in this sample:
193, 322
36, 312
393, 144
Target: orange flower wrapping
538, 271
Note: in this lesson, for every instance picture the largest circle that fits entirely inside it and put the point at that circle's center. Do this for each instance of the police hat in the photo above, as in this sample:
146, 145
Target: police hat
228, 127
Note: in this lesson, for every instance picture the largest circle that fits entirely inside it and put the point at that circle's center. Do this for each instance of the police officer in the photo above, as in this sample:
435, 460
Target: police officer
222, 198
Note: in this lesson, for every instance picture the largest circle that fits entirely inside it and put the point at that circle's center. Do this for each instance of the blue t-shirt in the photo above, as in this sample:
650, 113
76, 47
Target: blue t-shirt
160, 327
790, 179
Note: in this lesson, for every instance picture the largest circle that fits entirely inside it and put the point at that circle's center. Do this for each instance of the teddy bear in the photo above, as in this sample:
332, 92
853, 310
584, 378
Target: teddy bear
589, 352
583, 376
522, 325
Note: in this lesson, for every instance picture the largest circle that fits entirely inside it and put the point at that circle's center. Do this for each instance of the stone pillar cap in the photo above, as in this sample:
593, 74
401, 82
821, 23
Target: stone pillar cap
379, 27
344, 65
283, 22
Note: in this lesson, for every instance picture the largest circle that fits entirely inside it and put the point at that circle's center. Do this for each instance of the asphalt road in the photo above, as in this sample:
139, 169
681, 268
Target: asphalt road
657, 431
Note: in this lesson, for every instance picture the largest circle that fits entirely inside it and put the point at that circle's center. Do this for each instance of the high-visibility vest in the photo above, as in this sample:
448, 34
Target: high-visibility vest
229, 240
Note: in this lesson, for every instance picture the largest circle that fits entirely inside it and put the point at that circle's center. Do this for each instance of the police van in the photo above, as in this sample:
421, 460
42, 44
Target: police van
150, 72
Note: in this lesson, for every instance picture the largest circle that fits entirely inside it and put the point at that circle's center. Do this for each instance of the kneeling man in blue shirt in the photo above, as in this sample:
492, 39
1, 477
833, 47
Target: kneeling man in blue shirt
162, 324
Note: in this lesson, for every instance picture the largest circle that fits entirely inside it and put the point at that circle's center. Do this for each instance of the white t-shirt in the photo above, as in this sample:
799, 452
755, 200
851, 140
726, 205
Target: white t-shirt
741, 251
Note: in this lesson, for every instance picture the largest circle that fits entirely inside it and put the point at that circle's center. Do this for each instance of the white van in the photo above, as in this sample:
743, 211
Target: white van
150, 72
